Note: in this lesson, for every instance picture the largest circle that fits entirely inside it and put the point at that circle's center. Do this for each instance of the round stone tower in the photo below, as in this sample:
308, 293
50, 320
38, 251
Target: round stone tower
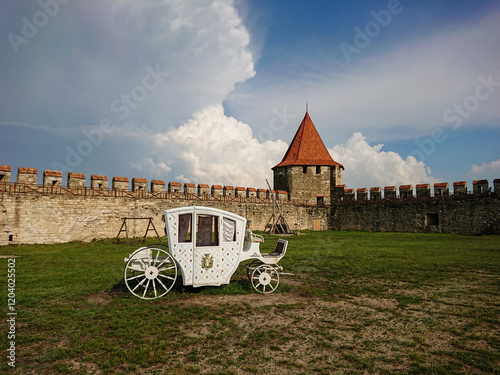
307, 171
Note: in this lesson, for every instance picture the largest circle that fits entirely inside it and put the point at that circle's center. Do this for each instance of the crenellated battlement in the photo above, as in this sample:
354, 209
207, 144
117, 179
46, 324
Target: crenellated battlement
344, 195
120, 187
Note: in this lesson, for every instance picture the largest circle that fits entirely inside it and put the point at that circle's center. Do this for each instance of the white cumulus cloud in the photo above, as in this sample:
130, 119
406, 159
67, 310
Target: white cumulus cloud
368, 166
216, 149
150, 167
489, 171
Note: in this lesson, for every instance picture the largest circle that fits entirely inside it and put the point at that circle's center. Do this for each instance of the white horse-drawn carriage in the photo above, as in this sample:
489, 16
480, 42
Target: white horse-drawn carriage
206, 245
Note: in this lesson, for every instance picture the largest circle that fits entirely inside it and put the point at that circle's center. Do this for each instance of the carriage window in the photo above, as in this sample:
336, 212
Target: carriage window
207, 230
185, 228
228, 230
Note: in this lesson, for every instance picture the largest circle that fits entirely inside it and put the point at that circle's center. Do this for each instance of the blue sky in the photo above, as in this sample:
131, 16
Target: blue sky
213, 91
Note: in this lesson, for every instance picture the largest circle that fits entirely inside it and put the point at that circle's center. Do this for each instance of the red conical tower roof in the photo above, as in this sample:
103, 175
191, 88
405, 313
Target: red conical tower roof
307, 148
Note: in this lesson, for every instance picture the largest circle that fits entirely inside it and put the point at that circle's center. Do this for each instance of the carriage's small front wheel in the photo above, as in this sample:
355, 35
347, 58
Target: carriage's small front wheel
150, 273
265, 279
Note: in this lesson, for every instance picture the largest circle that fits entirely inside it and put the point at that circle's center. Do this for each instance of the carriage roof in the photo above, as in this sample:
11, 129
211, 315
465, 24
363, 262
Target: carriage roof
204, 211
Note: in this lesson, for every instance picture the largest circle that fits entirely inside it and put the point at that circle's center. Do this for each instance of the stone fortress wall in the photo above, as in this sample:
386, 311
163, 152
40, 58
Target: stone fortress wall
418, 209
53, 213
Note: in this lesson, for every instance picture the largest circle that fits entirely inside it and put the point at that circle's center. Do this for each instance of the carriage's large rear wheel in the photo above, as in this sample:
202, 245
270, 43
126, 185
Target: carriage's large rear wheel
150, 273
265, 278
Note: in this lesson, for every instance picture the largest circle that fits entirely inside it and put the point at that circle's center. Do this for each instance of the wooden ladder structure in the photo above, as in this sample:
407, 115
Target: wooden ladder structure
124, 228
277, 220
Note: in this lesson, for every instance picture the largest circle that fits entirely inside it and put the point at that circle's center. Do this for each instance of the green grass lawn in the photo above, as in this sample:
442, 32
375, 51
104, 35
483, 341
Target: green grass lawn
358, 303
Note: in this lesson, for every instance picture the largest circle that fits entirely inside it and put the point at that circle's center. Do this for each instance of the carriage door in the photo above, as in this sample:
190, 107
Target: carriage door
181, 234
206, 269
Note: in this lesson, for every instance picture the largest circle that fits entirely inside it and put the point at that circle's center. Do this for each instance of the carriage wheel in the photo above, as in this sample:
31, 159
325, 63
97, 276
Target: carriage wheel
150, 273
251, 267
265, 279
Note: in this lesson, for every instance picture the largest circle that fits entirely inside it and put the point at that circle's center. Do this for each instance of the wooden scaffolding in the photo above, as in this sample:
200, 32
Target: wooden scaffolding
124, 228
277, 224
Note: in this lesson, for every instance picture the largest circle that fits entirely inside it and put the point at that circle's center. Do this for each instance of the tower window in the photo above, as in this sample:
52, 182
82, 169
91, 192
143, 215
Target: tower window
320, 200
318, 169
304, 169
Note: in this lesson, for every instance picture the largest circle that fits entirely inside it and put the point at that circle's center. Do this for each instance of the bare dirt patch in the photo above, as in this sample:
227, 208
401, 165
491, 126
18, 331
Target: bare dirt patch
101, 298
254, 300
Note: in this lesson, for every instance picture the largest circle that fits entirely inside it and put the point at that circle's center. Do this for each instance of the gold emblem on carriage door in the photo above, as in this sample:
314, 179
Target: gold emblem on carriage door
207, 261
